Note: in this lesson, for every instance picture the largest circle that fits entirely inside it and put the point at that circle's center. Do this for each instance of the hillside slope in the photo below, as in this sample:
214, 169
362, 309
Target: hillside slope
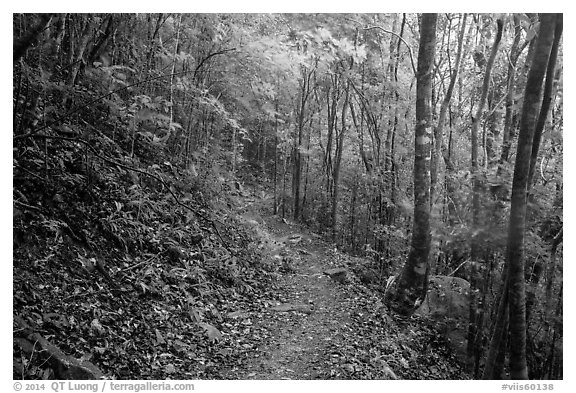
240, 296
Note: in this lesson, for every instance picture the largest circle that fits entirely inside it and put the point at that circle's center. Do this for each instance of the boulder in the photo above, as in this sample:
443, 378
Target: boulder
447, 297
366, 274
337, 274
448, 303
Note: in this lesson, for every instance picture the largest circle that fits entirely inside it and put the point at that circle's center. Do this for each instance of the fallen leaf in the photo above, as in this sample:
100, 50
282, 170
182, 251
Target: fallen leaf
170, 369
96, 326
213, 334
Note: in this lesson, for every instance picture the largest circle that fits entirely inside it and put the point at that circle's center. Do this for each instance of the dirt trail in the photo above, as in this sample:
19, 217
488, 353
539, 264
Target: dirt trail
308, 323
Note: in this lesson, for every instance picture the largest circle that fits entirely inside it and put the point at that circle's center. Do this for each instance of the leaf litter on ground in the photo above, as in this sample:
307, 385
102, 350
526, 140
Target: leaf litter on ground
270, 314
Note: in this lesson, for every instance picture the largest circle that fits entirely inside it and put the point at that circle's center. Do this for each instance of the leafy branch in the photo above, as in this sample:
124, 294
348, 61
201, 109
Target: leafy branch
368, 28
401, 39
204, 60
93, 101
133, 169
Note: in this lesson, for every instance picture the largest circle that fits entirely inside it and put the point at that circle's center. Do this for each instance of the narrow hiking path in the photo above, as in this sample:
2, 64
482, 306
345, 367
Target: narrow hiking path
310, 322
315, 327
307, 320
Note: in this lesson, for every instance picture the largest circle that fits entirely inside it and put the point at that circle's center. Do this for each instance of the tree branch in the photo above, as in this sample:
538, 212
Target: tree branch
130, 168
400, 38
79, 108
204, 60
26, 206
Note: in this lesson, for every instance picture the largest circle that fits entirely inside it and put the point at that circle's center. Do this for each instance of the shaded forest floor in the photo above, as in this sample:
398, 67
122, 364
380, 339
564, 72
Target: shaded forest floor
269, 312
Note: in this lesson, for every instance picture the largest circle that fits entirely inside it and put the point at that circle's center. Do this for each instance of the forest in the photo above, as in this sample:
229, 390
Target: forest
287, 196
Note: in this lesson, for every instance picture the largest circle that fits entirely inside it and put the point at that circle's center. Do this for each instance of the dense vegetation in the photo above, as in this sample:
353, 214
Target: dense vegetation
135, 135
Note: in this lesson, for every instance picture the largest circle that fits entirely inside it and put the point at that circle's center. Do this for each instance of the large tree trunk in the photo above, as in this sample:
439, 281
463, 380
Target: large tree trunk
515, 246
494, 363
411, 285
546, 100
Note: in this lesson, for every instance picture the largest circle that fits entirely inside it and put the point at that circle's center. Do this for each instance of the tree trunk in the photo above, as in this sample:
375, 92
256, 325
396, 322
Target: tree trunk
476, 273
515, 246
439, 130
307, 172
337, 163
552, 268
353, 216
297, 174
78, 56
498, 331
173, 70
449, 181
552, 369
147, 65
100, 44
284, 187
508, 118
61, 28
275, 207
411, 285
389, 148
546, 100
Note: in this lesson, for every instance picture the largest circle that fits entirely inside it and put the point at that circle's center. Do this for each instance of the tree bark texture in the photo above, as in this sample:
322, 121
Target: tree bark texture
515, 246
498, 332
475, 125
305, 90
411, 285
508, 119
337, 164
546, 100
